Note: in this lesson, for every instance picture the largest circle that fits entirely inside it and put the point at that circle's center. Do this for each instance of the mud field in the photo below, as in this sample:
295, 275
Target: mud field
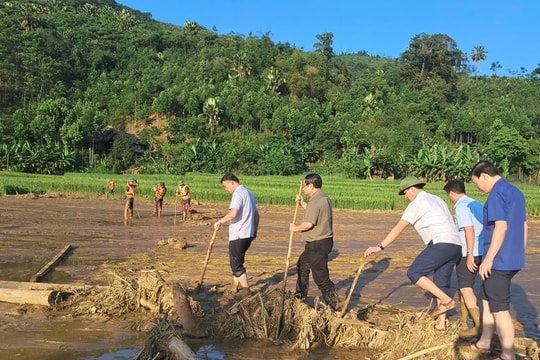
33, 230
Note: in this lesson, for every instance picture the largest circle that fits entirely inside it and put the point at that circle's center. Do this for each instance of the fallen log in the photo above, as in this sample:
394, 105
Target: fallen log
23, 285
44, 294
33, 297
180, 350
51, 264
190, 325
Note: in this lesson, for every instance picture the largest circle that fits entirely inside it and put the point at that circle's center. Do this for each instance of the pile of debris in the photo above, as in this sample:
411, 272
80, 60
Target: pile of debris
388, 332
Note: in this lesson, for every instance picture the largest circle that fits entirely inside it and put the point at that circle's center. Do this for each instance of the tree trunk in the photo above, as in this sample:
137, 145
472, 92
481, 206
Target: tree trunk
180, 350
34, 297
190, 324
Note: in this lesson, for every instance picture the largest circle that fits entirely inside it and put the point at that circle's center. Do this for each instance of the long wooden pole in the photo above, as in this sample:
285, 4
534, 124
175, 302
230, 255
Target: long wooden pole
175, 205
355, 281
282, 300
51, 264
208, 255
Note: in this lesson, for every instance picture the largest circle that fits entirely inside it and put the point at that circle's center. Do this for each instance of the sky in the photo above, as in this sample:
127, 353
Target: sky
509, 30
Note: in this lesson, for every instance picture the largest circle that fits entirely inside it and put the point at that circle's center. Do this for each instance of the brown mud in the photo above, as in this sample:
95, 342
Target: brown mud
34, 229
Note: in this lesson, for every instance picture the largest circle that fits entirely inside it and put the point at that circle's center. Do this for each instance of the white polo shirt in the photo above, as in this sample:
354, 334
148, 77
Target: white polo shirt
432, 220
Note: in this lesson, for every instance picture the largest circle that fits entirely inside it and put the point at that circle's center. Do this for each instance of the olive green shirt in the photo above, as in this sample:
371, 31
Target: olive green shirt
319, 213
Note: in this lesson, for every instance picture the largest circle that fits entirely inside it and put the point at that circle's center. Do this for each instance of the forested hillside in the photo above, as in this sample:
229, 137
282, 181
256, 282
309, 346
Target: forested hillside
75, 74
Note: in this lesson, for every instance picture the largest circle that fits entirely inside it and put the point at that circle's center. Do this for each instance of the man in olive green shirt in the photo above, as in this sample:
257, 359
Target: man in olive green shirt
317, 230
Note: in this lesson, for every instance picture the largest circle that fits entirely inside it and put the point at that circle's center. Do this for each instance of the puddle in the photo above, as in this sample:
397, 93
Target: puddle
117, 355
20, 271
68, 338
246, 349
257, 350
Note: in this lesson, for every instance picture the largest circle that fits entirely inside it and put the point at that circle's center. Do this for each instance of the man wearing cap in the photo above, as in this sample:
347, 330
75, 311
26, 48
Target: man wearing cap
433, 221
184, 193
130, 198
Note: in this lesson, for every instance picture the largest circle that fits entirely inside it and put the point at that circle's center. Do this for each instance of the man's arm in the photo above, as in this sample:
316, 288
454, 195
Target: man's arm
389, 238
526, 232
229, 216
469, 243
497, 240
305, 226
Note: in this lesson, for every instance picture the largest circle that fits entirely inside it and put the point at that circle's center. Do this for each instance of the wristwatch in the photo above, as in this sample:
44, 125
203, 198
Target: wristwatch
380, 246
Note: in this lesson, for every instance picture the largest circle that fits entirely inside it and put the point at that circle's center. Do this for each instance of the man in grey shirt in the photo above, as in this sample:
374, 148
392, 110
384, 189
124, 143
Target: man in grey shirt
317, 230
243, 219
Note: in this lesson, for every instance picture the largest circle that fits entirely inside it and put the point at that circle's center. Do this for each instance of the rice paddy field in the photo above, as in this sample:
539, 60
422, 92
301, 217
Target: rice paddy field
73, 210
345, 193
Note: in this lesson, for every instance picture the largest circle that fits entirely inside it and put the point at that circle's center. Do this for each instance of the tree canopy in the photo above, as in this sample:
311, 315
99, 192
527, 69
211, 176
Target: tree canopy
207, 102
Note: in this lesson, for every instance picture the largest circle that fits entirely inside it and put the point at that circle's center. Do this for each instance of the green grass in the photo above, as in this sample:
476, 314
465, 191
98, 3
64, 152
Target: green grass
269, 190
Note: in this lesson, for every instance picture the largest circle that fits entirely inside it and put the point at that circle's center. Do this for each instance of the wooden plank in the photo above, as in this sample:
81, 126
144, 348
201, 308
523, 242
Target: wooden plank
34, 297
23, 285
51, 264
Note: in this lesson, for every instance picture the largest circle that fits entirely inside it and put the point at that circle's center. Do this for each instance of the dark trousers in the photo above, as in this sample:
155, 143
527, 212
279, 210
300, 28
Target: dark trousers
314, 259
237, 255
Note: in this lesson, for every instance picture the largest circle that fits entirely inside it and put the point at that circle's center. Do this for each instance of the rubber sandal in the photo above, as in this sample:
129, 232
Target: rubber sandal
472, 347
443, 308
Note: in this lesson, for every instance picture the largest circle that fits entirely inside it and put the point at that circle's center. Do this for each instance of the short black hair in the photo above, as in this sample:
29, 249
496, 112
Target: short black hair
484, 167
229, 177
314, 179
456, 186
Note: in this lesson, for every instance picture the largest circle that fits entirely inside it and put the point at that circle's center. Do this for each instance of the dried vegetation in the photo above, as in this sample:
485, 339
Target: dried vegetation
388, 332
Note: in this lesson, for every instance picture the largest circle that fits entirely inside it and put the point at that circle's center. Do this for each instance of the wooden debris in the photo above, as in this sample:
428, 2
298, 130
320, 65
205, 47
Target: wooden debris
51, 264
190, 324
33, 297
23, 285
180, 350
43, 294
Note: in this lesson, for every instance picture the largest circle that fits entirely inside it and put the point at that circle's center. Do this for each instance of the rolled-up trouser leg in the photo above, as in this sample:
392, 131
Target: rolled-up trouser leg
237, 254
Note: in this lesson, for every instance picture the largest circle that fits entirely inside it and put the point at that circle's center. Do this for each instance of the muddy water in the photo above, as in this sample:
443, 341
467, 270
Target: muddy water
32, 231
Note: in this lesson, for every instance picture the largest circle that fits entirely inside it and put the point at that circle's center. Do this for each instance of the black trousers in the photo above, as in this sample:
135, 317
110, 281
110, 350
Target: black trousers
314, 259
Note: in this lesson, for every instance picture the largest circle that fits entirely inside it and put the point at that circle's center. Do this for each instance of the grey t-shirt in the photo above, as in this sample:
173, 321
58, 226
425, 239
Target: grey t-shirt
319, 213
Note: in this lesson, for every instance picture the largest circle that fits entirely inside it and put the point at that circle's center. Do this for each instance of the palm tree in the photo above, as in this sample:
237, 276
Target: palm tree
324, 46
212, 111
241, 65
274, 80
478, 54
126, 20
